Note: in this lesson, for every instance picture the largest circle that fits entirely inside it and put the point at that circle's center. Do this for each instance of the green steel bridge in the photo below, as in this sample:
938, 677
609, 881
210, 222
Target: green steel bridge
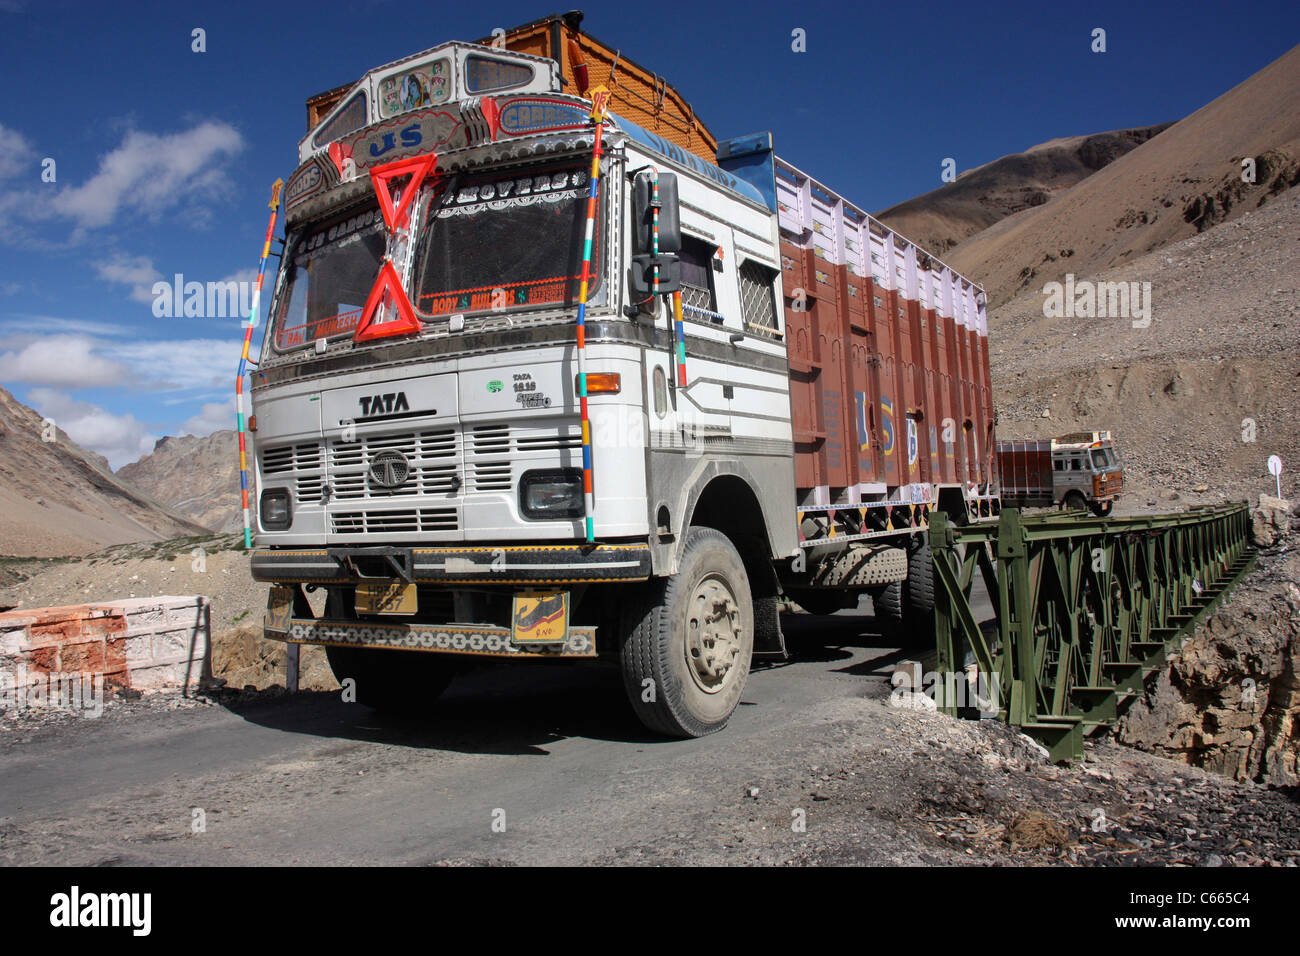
1085, 609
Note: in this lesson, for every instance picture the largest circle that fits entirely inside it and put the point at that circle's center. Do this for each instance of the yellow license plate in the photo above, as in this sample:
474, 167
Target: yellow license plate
386, 597
279, 610
540, 617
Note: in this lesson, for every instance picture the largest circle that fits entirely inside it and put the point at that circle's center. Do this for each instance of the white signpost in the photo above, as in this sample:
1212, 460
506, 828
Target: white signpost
1275, 469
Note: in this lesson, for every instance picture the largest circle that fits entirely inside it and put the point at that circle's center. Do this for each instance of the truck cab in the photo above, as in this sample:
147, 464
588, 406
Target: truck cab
1086, 472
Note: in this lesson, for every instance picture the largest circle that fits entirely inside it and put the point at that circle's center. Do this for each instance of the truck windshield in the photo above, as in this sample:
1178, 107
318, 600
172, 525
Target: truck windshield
330, 272
1101, 458
495, 241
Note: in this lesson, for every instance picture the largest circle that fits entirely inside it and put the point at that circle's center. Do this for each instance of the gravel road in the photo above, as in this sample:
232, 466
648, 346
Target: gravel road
546, 766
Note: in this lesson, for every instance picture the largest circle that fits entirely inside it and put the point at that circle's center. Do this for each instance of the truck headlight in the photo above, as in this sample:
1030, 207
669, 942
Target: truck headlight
275, 509
551, 493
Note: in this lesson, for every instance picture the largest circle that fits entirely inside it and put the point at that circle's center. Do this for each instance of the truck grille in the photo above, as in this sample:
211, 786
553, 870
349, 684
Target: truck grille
430, 454
445, 462
410, 519
495, 448
295, 460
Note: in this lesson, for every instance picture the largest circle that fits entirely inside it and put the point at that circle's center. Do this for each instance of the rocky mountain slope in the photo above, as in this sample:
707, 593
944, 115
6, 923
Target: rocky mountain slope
196, 477
1175, 185
980, 197
1199, 398
58, 499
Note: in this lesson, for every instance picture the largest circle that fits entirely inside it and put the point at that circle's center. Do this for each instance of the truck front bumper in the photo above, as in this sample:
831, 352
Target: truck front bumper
472, 640
505, 564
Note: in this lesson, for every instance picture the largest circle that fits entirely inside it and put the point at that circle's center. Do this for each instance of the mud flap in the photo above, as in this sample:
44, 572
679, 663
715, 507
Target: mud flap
769, 642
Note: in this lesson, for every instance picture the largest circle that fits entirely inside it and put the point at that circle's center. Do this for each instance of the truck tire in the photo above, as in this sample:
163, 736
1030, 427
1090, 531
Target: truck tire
899, 621
687, 643
1074, 501
887, 603
1102, 508
402, 682
920, 576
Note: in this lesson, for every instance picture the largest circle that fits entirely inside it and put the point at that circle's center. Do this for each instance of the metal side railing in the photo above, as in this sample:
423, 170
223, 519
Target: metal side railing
1084, 610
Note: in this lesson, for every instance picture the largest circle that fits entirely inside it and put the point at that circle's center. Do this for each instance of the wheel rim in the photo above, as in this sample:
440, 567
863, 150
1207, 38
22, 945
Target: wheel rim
713, 629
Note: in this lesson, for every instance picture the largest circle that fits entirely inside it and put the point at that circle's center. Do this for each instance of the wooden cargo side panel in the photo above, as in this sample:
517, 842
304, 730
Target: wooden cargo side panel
635, 92
801, 354
885, 336
1026, 467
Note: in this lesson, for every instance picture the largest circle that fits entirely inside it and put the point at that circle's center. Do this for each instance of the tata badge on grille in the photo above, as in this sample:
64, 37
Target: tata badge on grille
389, 469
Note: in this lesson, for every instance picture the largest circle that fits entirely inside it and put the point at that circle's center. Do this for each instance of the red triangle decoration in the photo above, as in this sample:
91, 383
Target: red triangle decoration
405, 324
381, 176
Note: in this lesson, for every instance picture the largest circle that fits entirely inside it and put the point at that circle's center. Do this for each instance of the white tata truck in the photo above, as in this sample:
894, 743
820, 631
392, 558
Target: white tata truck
500, 413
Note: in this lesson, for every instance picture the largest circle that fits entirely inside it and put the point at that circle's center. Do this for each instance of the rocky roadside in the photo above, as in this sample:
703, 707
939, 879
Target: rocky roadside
1229, 699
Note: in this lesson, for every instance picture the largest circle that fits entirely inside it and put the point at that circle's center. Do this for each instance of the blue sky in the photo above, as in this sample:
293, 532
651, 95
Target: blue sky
163, 156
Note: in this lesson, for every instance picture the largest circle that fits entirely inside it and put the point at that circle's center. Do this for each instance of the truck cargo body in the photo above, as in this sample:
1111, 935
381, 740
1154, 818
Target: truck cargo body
428, 419
888, 353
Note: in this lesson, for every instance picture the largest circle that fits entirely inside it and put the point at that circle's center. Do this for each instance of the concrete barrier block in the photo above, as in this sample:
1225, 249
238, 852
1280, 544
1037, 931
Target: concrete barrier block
139, 649
13, 640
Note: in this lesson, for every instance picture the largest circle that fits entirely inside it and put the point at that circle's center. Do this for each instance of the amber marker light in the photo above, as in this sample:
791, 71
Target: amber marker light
597, 382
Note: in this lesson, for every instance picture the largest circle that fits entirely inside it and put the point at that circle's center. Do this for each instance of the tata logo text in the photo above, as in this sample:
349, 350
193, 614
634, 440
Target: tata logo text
387, 404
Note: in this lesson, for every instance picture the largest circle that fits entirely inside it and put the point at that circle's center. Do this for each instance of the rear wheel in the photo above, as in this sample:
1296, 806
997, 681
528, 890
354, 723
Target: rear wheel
920, 576
687, 642
405, 682
905, 609
887, 605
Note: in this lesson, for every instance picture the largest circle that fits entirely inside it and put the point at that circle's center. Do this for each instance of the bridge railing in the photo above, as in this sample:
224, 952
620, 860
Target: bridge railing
1084, 609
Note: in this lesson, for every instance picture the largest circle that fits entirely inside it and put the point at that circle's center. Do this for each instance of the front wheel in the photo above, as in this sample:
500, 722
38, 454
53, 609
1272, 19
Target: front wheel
687, 642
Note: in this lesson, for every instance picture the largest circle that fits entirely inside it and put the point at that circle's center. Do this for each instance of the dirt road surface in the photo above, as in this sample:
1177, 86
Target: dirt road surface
547, 766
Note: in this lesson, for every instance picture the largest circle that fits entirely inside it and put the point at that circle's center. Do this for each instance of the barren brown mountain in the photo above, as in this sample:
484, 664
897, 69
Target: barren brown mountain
59, 499
1173, 186
979, 197
1199, 398
195, 477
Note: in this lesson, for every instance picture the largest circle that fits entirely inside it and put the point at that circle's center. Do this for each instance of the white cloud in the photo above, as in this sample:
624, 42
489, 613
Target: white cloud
119, 438
146, 176
16, 153
149, 173
20, 327
193, 365
135, 271
212, 417
68, 361
199, 367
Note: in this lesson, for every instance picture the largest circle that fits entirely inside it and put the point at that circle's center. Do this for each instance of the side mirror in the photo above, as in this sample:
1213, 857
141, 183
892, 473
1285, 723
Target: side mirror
670, 274
670, 226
